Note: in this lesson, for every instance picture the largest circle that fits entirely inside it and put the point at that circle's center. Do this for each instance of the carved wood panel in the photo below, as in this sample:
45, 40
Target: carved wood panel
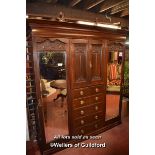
96, 62
115, 46
49, 44
80, 63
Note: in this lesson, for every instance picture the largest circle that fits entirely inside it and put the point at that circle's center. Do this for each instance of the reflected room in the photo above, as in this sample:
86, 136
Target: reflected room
114, 70
54, 93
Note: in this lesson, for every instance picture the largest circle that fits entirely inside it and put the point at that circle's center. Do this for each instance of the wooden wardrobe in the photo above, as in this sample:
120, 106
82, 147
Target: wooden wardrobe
87, 51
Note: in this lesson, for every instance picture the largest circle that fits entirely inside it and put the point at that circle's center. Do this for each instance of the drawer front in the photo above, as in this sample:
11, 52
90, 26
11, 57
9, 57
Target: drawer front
97, 89
77, 103
88, 119
96, 108
80, 93
89, 128
88, 110
96, 98
81, 112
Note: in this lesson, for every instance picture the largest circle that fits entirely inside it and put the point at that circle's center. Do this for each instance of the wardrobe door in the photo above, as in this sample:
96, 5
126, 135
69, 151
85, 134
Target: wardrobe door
79, 62
115, 63
96, 62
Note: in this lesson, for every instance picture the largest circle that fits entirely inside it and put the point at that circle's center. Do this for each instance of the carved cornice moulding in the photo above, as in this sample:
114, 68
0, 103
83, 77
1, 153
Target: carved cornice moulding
50, 44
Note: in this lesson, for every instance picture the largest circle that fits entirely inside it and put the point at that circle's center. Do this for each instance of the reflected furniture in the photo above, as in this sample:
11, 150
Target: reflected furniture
93, 105
48, 95
60, 85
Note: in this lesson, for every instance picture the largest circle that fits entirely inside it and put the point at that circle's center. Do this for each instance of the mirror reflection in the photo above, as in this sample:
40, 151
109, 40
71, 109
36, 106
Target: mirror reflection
54, 93
112, 106
114, 71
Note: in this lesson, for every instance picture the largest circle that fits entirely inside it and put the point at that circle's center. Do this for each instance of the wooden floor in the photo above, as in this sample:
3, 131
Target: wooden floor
57, 119
116, 139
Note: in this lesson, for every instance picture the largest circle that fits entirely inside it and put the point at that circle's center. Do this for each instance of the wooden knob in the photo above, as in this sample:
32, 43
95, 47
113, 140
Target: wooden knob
96, 126
82, 131
96, 98
81, 112
96, 117
81, 92
81, 102
82, 122
97, 90
96, 107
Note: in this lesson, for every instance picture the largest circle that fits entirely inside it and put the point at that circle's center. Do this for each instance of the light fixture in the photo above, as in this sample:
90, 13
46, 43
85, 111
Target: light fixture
109, 26
86, 23
38, 17
34, 30
27, 16
99, 25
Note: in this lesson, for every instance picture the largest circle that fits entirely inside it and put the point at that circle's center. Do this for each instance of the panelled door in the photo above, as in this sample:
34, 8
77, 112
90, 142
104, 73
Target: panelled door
87, 62
79, 62
96, 62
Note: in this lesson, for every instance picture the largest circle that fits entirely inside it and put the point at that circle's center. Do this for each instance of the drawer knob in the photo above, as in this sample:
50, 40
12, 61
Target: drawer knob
81, 92
81, 102
96, 98
96, 126
82, 131
96, 107
97, 90
81, 112
96, 117
82, 122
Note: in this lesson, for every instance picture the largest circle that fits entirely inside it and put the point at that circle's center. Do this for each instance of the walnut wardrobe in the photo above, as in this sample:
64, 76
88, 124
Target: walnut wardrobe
74, 80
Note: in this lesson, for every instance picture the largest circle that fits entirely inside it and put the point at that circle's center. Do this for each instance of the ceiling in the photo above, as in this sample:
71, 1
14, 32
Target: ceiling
117, 10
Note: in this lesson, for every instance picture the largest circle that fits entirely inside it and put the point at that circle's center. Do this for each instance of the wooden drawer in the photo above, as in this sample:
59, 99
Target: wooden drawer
80, 93
88, 110
87, 120
87, 91
81, 112
89, 128
96, 108
77, 103
97, 89
96, 98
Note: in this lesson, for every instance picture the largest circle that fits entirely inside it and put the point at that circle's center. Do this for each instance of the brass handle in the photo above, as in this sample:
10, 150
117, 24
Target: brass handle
96, 107
82, 122
82, 131
96, 117
81, 92
90, 65
97, 90
81, 112
96, 126
81, 102
96, 98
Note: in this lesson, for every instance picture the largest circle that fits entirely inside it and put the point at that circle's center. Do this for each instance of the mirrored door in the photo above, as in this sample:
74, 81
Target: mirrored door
54, 93
114, 77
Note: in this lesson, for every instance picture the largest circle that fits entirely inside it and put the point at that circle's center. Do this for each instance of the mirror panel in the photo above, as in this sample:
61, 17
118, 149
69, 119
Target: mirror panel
54, 93
112, 106
114, 70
